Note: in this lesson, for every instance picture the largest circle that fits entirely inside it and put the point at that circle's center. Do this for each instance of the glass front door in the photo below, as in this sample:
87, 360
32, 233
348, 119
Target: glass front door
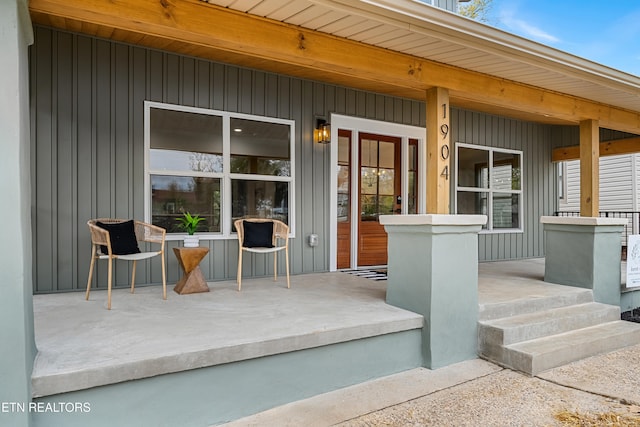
380, 192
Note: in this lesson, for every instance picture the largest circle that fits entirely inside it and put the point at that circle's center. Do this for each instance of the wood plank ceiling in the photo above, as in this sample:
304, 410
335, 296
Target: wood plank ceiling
397, 47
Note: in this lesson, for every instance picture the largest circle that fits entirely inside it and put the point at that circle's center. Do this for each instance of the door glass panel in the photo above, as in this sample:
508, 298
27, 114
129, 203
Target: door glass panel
344, 180
369, 208
386, 182
386, 205
412, 185
386, 157
369, 153
377, 179
369, 184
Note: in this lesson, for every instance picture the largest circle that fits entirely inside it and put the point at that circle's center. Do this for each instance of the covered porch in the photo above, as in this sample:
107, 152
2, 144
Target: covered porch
114, 56
240, 352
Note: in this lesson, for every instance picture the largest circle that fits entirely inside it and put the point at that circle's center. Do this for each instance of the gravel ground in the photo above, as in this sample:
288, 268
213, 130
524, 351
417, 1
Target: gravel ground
506, 398
615, 374
608, 383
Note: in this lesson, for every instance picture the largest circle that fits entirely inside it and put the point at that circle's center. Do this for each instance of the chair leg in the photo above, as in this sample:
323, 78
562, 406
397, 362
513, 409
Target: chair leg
239, 276
109, 275
275, 266
133, 276
93, 261
286, 260
164, 278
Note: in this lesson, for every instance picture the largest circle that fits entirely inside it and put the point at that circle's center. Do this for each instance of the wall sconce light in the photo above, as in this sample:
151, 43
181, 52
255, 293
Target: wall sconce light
322, 132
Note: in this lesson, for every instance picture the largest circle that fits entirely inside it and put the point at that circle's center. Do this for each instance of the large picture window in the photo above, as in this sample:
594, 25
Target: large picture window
489, 182
219, 165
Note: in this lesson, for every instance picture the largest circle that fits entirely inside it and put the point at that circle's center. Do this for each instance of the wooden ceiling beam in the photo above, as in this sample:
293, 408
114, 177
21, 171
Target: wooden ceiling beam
200, 29
608, 148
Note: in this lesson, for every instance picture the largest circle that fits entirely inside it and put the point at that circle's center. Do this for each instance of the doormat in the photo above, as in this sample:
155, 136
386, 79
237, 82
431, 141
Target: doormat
377, 274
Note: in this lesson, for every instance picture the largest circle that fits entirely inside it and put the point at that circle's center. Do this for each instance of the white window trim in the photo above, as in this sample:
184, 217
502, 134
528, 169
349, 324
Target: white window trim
562, 186
490, 191
225, 176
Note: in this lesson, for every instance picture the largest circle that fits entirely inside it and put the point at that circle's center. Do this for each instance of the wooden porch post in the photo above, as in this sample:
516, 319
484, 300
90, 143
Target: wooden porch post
438, 151
589, 168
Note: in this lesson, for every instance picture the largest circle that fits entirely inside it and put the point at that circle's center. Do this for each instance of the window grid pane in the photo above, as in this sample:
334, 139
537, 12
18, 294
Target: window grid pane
172, 196
497, 176
506, 171
473, 168
260, 148
261, 199
505, 211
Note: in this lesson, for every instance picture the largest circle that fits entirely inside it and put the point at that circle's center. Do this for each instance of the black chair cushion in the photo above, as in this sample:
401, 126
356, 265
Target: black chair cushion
122, 236
258, 234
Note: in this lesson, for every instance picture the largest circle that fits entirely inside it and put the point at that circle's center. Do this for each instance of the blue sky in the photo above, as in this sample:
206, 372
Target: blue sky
603, 31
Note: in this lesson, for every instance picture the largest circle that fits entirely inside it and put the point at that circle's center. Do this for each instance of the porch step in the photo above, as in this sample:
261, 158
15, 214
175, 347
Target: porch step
525, 327
553, 331
541, 354
547, 297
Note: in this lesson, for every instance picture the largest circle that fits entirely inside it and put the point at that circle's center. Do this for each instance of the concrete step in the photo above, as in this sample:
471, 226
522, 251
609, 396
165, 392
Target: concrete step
541, 354
547, 297
525, 327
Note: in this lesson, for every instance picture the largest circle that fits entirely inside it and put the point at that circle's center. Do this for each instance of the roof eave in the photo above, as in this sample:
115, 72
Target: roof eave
423, 18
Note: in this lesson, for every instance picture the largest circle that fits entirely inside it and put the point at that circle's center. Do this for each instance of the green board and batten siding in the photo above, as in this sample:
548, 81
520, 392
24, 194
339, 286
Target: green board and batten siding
539, 180
450, 5
87, 107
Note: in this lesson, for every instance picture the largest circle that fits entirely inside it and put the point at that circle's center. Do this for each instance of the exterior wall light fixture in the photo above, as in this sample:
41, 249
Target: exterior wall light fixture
322, 132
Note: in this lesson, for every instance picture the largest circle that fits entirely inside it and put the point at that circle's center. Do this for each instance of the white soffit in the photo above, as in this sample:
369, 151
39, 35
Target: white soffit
418, 29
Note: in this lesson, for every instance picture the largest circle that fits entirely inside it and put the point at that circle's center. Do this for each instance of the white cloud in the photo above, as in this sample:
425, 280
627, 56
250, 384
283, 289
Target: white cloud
534, 32
525, 29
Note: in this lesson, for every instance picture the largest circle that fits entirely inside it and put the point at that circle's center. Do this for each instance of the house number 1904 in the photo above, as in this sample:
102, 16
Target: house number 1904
444, 150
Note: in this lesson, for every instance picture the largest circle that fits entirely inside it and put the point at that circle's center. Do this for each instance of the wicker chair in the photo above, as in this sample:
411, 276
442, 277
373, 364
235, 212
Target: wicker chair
101, 248
249, 241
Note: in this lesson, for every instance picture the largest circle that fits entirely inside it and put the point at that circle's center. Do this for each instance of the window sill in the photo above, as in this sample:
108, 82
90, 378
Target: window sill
503, 231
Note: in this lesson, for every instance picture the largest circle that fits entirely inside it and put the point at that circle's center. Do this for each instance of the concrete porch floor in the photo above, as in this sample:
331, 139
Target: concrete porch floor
81, 344
144, 336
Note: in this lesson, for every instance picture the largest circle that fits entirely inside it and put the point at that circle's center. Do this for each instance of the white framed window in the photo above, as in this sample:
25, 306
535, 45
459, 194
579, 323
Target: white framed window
219, 165
489, 182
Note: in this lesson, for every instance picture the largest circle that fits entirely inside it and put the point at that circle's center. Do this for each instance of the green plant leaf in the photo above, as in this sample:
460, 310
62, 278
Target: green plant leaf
189, 223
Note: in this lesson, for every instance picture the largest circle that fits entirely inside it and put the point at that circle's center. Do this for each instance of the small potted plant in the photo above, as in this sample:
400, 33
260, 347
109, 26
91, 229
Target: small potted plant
189, 223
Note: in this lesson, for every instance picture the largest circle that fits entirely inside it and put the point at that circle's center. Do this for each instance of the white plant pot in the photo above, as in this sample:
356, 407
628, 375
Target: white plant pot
192, 241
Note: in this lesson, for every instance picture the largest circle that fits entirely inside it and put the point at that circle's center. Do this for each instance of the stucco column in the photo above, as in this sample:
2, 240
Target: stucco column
433, 271
584, 252
17, 348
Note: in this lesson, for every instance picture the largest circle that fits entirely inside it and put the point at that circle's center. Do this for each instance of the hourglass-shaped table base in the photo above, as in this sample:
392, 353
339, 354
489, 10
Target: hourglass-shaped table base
193, 280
